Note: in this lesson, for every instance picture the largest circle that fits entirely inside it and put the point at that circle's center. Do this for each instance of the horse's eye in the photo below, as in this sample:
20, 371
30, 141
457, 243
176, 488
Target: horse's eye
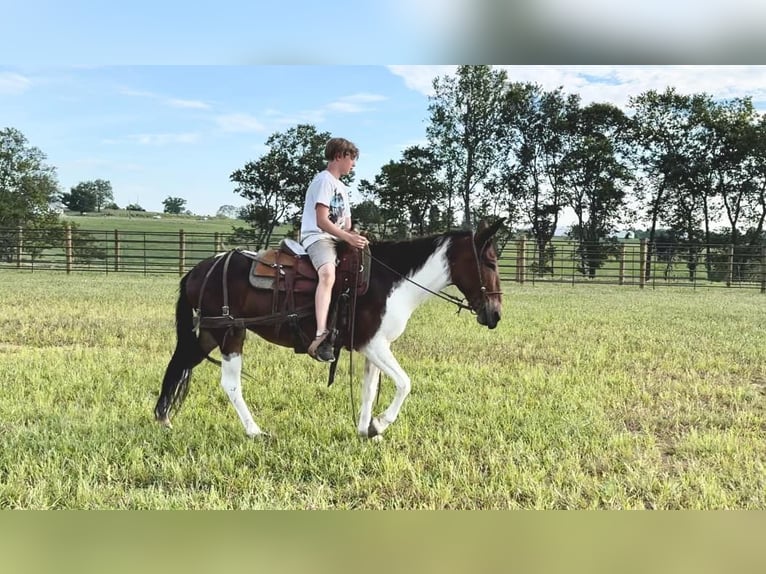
491, 265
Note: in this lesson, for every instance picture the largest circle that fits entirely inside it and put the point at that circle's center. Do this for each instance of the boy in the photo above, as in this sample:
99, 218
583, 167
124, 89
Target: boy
327, 220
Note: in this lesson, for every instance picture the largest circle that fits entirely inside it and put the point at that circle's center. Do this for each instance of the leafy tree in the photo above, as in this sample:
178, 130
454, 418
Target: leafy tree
672, 146
104, 193
173, 205
276, 183
368, 214
80, 198
597, 176
134, 207
389, 220
410, 187
466, 127
27, 188
228, 211
88, 196
529, 183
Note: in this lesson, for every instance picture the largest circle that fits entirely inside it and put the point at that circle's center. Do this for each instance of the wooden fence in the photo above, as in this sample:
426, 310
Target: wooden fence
627, 262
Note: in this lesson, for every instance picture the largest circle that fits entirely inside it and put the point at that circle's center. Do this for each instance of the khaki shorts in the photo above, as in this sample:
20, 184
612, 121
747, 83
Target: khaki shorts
322, 252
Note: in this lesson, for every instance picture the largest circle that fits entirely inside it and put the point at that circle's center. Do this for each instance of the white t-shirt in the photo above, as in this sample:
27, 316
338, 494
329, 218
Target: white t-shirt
333, 193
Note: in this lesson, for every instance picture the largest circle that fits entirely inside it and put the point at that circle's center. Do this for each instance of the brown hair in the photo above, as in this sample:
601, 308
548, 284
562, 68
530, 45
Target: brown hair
339, 147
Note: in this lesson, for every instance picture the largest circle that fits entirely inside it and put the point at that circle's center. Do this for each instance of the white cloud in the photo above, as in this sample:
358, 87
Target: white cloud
191, 104
14, 84
165, 139
420, 78
172, 102
616, 84
137, 93
303, 117
239, 123
355, 103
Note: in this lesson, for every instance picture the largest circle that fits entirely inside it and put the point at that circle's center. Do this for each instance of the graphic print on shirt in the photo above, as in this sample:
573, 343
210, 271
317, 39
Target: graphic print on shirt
336, 209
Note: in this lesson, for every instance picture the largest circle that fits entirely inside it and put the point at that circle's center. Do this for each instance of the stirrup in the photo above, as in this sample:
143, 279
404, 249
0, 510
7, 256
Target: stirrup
320, 348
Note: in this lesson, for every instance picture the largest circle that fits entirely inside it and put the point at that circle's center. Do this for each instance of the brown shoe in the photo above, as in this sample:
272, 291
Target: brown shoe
321, 348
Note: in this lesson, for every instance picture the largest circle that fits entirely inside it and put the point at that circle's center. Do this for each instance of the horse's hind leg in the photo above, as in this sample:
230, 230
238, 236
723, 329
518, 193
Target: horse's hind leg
190, 351
231, 377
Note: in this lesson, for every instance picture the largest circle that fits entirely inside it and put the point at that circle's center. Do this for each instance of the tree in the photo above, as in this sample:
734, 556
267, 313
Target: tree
529, 181
368, 214
88, 196
134, 207
27, 188
227, 211
276, 183
173, 205
597, 177
466, 127
81, 198
410, 187
104, 193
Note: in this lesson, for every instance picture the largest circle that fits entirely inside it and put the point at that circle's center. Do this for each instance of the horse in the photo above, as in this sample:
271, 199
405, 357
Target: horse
402, 275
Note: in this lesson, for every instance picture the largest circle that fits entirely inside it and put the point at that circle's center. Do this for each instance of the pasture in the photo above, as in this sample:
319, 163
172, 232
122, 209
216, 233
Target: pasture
585, 396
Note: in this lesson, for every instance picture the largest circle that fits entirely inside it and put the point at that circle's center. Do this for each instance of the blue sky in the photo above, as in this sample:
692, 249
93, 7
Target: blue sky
167, 130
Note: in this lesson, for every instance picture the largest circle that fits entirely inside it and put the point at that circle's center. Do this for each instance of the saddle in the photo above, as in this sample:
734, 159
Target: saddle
288, 269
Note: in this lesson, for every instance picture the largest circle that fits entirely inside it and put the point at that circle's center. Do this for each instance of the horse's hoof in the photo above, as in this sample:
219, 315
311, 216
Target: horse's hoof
165, 422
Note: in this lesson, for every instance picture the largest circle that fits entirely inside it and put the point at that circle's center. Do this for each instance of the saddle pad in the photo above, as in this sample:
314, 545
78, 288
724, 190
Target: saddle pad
292, 246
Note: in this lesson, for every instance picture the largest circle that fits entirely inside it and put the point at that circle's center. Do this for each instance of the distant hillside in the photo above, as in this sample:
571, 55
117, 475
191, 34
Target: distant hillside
148, 221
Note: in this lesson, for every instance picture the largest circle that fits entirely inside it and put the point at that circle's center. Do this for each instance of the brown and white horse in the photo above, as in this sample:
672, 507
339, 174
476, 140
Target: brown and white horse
403, 275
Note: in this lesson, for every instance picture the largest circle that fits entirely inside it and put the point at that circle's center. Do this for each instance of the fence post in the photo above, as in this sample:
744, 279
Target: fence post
116, 250
20, 246
521, 259
181, 252
216, 242
621, 278
68, 248
729, 264
763, 269
642, 264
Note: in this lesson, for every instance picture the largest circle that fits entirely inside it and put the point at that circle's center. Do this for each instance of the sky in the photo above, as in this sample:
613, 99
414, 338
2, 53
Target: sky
180, 131
167, 99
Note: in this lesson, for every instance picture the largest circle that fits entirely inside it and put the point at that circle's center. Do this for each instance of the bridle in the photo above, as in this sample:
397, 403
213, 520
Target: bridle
457, 301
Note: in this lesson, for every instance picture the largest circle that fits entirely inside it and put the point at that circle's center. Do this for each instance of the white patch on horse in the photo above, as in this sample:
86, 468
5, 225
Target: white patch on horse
404, 298
231, 381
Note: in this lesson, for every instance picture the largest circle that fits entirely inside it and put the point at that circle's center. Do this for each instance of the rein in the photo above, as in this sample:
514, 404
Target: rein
457, 301
440, 294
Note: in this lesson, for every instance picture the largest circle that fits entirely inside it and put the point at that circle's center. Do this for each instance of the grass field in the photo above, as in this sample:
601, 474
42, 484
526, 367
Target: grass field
583, 397
147, 224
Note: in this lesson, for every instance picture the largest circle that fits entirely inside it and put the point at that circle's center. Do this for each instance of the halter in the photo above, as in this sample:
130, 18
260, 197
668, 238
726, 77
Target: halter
457, 301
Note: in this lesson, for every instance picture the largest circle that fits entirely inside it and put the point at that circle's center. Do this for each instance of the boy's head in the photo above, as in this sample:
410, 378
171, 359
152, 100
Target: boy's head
340, 147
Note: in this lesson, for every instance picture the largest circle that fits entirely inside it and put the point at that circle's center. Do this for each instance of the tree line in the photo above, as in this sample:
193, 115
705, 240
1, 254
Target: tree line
689, 168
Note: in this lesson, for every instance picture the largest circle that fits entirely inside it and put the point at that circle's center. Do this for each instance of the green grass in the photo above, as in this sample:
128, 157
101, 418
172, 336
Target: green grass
145, 223
583, 397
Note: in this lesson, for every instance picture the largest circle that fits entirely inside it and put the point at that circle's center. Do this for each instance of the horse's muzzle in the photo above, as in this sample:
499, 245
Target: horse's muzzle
489, 316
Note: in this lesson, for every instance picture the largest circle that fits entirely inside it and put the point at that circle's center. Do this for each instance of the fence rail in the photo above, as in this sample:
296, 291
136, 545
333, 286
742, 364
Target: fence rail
523, 261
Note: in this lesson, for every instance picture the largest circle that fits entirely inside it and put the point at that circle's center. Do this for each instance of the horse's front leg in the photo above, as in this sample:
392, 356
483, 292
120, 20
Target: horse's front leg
379, 353
231, 378
369, 389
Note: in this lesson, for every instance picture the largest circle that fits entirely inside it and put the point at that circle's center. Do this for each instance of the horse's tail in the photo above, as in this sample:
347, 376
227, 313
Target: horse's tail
187, 355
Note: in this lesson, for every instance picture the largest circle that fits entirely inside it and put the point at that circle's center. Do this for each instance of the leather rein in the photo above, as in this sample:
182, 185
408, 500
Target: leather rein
457, 301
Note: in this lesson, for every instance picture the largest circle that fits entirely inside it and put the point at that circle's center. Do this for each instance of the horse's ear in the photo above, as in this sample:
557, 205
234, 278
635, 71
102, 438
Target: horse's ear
486, 232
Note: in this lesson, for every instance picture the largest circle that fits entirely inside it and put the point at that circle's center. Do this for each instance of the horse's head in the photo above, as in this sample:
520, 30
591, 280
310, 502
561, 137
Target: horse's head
473, 269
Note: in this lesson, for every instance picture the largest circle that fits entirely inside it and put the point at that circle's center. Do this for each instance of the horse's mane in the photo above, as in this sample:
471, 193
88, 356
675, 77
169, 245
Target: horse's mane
407, 256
